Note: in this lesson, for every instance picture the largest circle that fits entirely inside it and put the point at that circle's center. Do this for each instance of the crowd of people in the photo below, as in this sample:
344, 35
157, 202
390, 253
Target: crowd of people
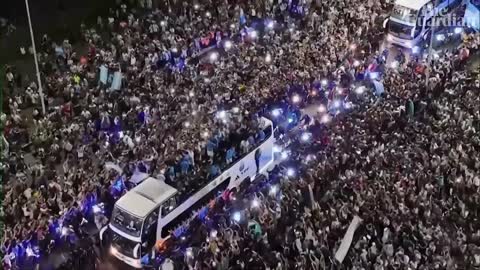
153, 93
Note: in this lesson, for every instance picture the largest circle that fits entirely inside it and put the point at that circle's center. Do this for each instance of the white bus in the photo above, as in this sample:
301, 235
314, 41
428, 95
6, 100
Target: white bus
411, 20
151, 212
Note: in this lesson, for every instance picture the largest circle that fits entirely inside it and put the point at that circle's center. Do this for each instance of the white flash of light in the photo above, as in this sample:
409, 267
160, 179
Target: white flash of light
284, 155
268, 58
222, 114
213, 234
205, 134
191, 94
237, 216
271, 24
290, 172
208, 14
163, 23
305, 137
276, 112
213, 56
187, 124
174, 50
253, 34
336, 104
394, 64
296, 98
228, 44
196, 6
356, 63
324, 82
325, 118
322, 108
273, 190
255, 203
235, 110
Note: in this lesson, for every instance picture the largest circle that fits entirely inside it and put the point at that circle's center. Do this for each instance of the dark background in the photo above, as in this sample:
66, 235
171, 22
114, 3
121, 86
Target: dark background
58, 18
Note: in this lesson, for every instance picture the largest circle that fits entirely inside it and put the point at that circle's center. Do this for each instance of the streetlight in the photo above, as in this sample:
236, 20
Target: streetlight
429, 57
40, 89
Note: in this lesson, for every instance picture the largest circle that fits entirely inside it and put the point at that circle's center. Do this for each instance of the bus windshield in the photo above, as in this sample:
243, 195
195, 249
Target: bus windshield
404, 14
126, 222
124, 245
400, 30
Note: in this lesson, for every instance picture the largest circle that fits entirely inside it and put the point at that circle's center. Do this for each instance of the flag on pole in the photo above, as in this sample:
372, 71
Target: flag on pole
347, 239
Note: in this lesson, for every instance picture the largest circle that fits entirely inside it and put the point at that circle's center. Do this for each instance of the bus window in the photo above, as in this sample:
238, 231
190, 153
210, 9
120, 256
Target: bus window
169, 205
214, 193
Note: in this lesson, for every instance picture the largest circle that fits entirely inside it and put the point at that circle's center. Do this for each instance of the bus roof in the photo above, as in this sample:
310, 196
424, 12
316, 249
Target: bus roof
412, 4
142, 199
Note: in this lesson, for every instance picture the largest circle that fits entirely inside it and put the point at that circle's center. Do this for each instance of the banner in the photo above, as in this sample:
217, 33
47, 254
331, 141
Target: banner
103, 74
347, 239
117, 81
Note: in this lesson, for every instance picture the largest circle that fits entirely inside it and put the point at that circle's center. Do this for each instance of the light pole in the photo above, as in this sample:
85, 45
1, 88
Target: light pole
39, 80
430, 48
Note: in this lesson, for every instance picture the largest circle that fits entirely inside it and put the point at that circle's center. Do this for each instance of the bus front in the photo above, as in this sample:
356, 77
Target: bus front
125, 236
403, 29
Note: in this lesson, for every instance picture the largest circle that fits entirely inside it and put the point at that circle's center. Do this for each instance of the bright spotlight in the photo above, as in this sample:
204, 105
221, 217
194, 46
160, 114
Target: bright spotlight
187, 124
64, 231
273, 190
458, 30
255, 203
356, 63
290, 172
271, 24
235, 110
306, 137
296, 98
322, 108
324, 82
138, 139
172, 90
237, 217
290, 120
163, 23
325, 119
253, 34
440, 37
221, 114
191, 94
196, 6
213, 56
336, 103
228, 44
208, 14
415, 50
268, 58
360, 90
232, 25
120, 134
276, 113
174, 50
205, 134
